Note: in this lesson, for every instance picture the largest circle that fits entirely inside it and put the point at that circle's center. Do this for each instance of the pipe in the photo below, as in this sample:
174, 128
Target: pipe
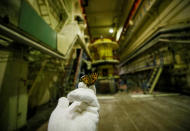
25, 40
135, 27
170, 10
77, 73
131, 14
85, 18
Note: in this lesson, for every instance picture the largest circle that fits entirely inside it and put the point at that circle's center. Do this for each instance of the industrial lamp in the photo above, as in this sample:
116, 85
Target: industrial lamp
111, 30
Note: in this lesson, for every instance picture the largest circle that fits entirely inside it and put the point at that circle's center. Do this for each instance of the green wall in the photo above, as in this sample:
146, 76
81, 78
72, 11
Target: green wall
34, 25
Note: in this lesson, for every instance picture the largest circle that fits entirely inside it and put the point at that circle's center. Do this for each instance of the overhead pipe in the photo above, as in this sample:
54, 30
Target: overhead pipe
134, 29
131, 14
161, 17
77, 73
85, 17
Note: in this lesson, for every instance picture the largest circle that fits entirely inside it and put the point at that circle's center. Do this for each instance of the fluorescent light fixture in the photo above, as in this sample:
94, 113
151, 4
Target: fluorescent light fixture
110, 30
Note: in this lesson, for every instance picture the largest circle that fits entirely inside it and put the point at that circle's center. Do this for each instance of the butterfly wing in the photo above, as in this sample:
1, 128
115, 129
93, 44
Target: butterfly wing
93, 78
85, 79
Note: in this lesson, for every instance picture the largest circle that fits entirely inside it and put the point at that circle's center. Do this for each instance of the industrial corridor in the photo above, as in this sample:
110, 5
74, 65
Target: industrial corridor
86, 65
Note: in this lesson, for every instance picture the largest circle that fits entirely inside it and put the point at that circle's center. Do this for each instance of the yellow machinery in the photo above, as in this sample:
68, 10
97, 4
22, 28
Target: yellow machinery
104, 61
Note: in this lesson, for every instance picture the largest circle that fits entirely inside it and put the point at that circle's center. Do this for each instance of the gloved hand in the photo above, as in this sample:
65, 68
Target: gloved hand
81, 115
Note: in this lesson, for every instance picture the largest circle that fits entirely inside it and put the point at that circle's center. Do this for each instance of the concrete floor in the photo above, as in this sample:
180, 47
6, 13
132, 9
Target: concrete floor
122, 112
163, 113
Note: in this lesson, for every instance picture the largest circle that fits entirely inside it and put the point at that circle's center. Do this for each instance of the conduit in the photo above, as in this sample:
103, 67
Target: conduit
131, 14
85, 17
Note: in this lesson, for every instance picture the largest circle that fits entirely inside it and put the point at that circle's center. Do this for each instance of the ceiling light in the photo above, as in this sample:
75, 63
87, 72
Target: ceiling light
130, 22
111, 30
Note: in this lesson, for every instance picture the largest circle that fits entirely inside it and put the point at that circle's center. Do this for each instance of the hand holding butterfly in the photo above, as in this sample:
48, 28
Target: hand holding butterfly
82, 114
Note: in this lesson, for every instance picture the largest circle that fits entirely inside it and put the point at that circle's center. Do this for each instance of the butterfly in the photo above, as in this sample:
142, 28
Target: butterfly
89, 79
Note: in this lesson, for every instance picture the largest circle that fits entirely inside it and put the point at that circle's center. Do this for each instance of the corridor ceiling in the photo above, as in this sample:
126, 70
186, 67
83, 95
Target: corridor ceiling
102, 15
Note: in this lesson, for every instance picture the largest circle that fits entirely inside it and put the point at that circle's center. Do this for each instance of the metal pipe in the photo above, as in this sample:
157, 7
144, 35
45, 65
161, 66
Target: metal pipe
131, 14
173, 8
85, 17
135, 28
77, 73
25, 40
